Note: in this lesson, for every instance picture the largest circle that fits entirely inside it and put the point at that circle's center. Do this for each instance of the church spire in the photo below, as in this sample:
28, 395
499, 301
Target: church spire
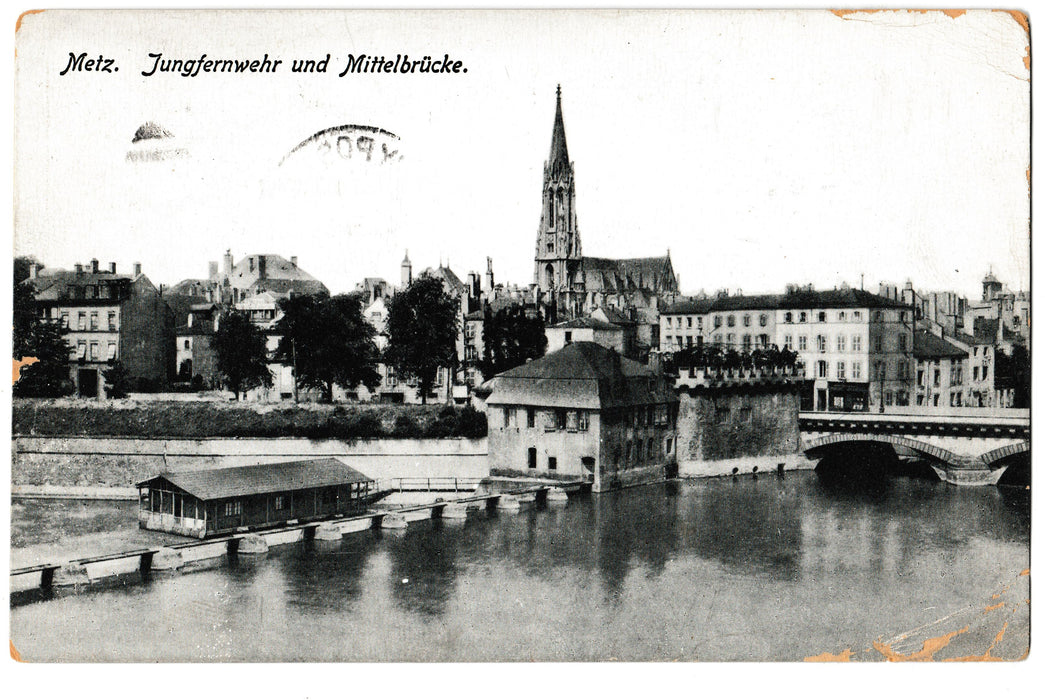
559, 158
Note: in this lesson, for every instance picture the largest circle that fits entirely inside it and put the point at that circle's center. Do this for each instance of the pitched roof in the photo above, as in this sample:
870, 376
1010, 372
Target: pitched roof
838, 299
614, 316
281, 275
451, 281
629, 274
209, 484
58, 284
580, 375
688, 305
928, 345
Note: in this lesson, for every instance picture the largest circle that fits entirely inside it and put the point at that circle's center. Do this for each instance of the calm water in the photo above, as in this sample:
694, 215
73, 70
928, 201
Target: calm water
773, 569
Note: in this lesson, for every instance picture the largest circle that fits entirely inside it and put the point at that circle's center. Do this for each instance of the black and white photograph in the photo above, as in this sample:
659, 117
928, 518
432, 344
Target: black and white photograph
520, 336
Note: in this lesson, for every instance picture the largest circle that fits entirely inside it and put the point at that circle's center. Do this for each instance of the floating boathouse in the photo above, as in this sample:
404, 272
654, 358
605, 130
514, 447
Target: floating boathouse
216, 501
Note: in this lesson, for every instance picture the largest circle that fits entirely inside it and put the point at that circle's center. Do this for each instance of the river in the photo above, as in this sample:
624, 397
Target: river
774, 568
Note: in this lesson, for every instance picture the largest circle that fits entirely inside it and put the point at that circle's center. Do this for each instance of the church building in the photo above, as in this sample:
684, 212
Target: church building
571, 285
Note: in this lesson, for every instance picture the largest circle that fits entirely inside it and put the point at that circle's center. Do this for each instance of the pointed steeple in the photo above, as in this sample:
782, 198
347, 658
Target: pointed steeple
559, 158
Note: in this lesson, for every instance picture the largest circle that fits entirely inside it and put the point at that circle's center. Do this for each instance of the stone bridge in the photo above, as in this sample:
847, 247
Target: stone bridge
967, 446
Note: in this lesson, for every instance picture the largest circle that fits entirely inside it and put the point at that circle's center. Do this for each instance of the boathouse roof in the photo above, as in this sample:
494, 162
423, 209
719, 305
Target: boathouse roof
232, 482
580, 375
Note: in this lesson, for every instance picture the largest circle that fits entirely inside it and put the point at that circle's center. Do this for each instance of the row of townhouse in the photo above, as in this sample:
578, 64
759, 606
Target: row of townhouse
856, 347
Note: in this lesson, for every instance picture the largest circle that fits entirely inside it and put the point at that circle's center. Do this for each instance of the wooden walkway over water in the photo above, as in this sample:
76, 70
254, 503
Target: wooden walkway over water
80, 572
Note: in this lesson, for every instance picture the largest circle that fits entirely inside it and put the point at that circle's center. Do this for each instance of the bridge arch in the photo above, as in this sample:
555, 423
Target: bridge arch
993, 458
924, 448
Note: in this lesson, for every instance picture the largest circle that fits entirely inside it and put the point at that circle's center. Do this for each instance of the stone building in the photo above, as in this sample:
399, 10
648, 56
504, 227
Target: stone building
587, 329
941, 371
582, 413
109, 317
570, 285
738, 425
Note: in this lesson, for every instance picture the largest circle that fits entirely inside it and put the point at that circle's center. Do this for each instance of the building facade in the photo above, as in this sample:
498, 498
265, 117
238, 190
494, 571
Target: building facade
582, 413
109, 318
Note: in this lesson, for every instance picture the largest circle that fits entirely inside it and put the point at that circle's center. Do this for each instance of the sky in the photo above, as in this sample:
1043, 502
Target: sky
761, 148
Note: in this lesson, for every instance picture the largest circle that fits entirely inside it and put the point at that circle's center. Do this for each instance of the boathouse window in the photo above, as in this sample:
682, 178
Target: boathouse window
582, 420
281, 501
154, 498
531, 457
233, 508
560, 419
552, 465
571, 421
530, 417
549, 420
177, 505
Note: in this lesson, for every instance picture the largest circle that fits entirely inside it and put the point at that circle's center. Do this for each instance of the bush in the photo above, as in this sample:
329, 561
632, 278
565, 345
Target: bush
406, 427
471, 423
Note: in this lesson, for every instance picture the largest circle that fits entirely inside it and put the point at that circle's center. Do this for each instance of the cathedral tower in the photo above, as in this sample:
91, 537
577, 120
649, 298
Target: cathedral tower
558, 258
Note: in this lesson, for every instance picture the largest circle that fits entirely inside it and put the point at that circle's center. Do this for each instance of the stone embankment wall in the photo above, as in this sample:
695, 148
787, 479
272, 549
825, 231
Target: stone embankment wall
739, 427
121, 461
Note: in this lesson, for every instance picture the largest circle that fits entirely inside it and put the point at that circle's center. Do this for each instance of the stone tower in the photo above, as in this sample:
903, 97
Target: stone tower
406, 271
558, 257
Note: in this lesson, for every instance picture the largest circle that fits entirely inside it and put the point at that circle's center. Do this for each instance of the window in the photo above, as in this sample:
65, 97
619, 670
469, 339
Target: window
689, 341
901, 369
506, 415
858, 343
841, 343
188, 344
903, 316
552, 465
94, 351
841, 315
667, 446
878, 343
888, 398
718, 339
878, 316
801, 342
530, 417
81, 349
667, 321
787, 342
920, 377
857, 316
582, 420
531, 458
569, 336
560, 419
718, 322
731, 320
821, 368
856, 370
65, 319
111, 352
689, 321
802, 317
94, 320
788, 317
83, 321
281, 503
747, 320
901, 342
747, 342
571, 421
722, 415
821, 343
821, 316
841, 370
731, 339
763, 320
390, 376
233, 508
936, 377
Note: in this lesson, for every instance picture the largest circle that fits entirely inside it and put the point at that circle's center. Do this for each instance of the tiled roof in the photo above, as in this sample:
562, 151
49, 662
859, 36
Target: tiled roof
209, 484
628, 274
688, 305
928, 345
802, 299
615, 316
580, 375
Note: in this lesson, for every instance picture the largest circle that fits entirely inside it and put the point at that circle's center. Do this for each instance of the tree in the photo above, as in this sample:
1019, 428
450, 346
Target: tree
328, 342
116, 381
422, 331
239, 347
1012, 371
510, 338
49, 375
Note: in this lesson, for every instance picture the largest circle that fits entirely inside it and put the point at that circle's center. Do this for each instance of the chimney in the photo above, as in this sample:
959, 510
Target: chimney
262, 264
34, 270
294, 260
250, 260
137, 269
212, 272
228, 263
112, 268
94, 266
79, 270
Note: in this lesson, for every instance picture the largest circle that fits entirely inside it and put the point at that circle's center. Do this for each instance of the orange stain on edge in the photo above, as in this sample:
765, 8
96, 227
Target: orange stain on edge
829, 657
929, 647
953, 14
993, 607
987, 656
18, 22
17, 365
1025, 572
14, 652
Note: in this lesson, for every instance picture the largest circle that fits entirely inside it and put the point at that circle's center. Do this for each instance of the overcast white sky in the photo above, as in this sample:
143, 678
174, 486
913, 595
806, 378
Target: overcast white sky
760, 147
